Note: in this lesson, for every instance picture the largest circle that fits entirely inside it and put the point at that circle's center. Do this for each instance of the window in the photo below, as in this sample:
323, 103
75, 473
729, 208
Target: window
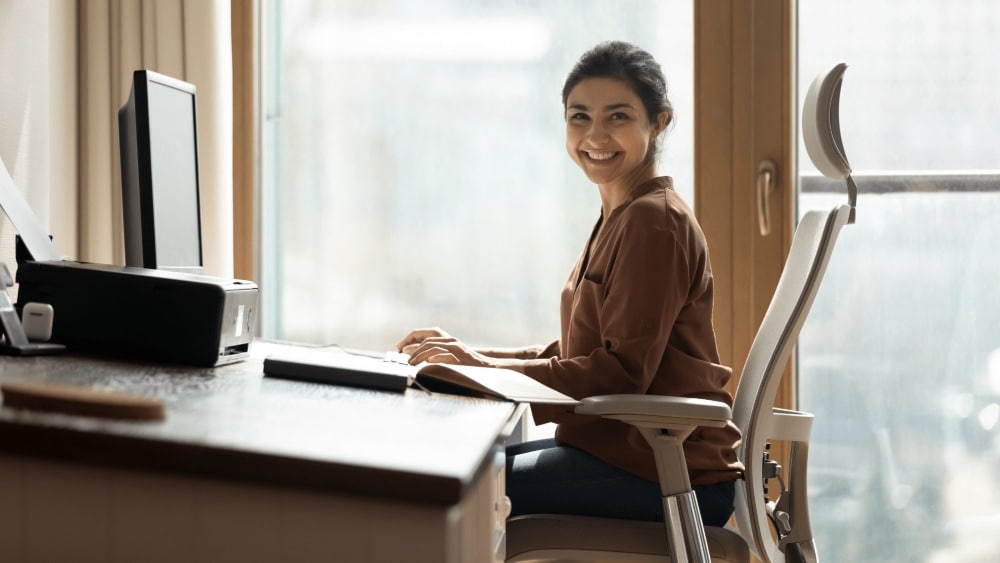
900, 358
414, 164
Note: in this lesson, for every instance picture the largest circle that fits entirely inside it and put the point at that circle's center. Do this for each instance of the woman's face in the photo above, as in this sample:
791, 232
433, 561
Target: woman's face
608, 134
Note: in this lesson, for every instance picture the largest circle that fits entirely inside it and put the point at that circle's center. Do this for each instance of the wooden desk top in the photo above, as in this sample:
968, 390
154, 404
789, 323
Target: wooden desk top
233, 424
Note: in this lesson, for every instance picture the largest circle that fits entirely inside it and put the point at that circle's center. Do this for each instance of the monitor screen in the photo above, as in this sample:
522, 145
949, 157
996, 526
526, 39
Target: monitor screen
159, 163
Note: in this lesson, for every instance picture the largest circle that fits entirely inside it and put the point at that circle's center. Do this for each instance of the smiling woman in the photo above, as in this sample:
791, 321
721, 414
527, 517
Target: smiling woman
636, 316
412, 163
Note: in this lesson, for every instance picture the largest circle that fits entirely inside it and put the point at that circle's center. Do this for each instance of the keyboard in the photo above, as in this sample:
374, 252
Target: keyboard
384, 371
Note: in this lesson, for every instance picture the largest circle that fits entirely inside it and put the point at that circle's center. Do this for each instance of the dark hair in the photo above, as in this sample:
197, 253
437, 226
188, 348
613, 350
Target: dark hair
630, 64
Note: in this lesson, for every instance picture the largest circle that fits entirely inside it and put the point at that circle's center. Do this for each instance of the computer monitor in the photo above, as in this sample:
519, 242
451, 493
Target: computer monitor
159, 163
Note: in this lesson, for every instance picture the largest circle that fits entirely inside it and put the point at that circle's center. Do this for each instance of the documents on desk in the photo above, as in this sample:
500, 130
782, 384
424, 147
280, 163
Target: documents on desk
334, 366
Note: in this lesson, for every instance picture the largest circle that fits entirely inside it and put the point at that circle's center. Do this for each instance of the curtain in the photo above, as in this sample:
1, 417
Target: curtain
185, 39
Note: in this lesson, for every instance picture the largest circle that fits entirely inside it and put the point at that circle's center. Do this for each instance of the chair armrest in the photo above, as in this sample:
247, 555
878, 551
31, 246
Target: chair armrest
665, 422
657, 411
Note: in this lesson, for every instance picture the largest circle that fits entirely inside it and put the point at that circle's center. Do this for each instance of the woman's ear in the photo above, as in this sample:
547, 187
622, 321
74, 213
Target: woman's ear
662, 120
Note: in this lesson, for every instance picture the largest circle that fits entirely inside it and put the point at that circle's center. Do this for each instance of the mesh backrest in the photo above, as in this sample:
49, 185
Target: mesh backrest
812, 245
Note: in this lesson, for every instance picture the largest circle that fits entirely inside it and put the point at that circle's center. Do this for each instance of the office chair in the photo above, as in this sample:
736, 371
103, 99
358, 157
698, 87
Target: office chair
773, 531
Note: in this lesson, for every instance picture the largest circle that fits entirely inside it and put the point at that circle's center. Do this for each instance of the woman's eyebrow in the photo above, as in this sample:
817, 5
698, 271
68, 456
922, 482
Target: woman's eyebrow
618, 106
609, 107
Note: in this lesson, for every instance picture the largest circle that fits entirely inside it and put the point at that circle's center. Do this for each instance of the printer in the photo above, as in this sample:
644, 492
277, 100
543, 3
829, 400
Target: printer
140, 313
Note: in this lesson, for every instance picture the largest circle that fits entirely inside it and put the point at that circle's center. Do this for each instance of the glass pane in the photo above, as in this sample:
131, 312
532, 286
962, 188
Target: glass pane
900, 357
415, 164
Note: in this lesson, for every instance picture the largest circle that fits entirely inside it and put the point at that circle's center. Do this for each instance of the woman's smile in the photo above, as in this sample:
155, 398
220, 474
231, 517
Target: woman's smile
601, 156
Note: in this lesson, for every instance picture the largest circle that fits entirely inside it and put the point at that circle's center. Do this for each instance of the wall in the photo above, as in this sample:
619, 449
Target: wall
38, 114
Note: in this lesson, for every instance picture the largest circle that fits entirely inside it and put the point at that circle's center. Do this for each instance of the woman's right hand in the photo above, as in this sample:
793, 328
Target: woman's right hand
416, 337
435, 346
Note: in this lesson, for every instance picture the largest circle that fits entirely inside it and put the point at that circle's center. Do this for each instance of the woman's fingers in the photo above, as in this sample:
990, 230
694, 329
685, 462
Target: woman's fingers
433, 353
417, 336
427, 343
443, 358
445, 351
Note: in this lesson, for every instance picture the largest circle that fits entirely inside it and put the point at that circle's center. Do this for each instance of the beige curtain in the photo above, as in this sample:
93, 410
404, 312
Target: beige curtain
185, 39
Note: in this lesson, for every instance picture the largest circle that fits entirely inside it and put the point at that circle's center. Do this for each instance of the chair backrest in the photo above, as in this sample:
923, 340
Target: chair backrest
812, 245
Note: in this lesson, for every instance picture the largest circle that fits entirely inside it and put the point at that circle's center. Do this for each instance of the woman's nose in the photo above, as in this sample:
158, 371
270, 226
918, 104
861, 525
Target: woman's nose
597, 133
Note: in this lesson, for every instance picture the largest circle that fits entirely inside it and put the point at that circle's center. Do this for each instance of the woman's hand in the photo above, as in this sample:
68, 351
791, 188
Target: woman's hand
411, 341
435, 346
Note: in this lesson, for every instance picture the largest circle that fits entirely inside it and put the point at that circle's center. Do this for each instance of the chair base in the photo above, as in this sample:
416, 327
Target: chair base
554, 537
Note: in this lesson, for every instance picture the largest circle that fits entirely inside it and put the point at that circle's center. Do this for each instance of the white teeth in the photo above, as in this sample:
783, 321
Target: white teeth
600, 155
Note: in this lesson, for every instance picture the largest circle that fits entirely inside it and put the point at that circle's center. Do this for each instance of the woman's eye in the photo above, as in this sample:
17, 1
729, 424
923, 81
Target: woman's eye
578, 117
619, 116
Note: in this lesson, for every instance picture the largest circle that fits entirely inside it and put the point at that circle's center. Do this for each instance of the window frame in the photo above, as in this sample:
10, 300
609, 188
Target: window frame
244, 16
745, 112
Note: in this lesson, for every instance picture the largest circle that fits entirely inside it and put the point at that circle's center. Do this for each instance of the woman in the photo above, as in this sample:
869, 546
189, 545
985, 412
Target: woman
636, 315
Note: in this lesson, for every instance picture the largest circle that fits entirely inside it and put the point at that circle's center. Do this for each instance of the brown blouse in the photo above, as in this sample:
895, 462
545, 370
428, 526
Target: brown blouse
637, 318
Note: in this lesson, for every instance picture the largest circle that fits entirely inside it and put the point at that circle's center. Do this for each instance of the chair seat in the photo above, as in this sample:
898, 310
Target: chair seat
556, 537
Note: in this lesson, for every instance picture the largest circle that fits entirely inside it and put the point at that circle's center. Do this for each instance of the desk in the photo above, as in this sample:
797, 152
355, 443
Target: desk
247, 468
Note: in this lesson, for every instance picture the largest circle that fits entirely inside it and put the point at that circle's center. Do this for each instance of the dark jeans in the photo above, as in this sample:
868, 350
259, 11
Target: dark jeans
544, 477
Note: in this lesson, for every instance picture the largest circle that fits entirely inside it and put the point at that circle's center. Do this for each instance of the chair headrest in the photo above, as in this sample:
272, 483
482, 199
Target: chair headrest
821, 130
